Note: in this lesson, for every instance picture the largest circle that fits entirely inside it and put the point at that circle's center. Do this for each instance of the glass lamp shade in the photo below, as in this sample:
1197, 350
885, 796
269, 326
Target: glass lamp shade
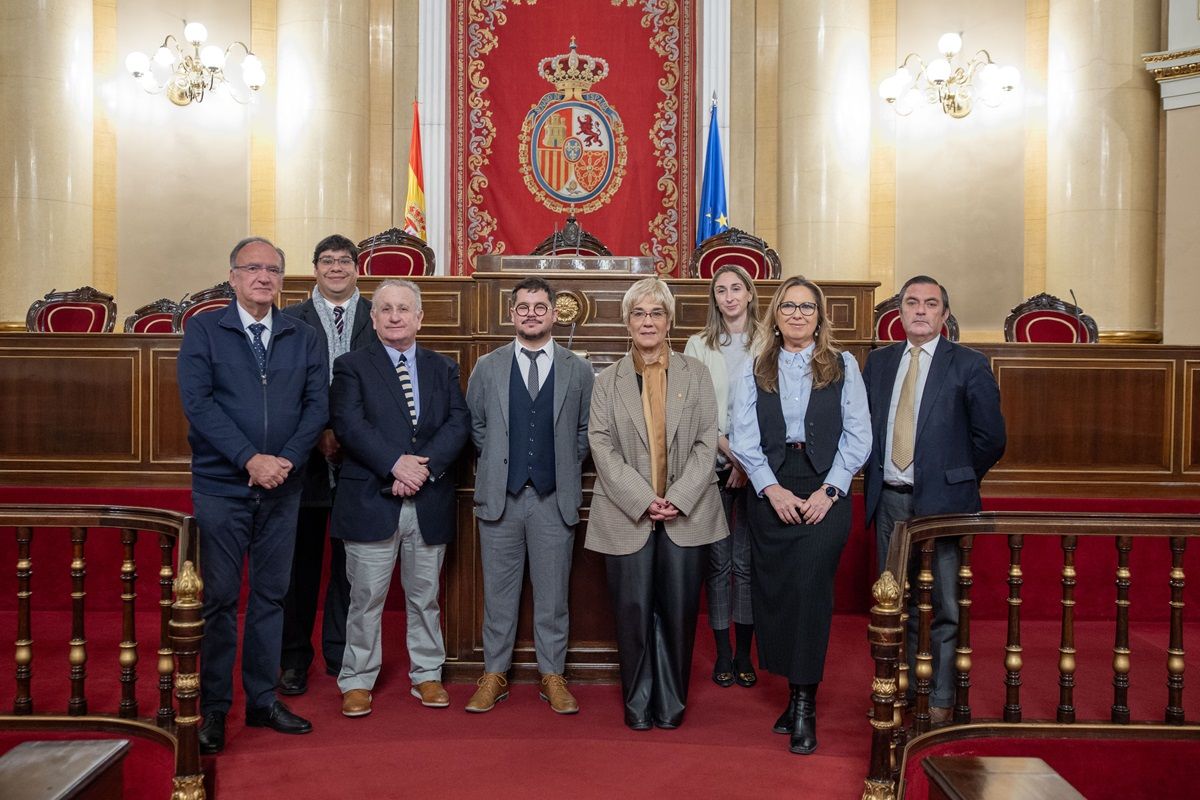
212, 57
1010, 78
938, 70
949, 44
195, 32
164, 56
137, 64
254, 76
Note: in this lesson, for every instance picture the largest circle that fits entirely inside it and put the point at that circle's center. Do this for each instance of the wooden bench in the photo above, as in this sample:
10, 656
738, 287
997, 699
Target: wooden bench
995, 778
64, 770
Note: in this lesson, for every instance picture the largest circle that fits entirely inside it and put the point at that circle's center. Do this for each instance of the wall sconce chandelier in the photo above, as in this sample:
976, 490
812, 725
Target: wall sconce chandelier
948, 82
187, 76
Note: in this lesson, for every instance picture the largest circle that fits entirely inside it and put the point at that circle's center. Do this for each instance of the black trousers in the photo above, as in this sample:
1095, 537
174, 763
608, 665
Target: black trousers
300, 605
656, 598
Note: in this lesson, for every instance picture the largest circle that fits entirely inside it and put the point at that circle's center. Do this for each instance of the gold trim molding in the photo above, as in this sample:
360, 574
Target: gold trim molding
1131, 337
1171, 55
1177, 71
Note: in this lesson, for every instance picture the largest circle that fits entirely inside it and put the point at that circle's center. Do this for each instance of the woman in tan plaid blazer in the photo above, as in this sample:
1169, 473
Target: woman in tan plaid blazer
655, 505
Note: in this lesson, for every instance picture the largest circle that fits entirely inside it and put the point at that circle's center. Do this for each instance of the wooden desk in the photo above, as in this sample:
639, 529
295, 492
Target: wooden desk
991, 778
81, 769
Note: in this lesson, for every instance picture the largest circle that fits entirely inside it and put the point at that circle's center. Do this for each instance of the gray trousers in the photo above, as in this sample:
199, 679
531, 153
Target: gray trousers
369, 567
943, 633
730, 557
529, 525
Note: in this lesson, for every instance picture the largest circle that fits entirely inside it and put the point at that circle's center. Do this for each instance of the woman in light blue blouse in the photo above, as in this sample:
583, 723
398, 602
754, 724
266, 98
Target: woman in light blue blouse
801, 429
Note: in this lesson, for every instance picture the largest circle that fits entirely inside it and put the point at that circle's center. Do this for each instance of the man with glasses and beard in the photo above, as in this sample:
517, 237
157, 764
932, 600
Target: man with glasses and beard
529, 406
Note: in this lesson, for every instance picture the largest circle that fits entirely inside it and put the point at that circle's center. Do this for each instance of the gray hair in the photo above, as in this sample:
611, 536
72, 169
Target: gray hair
653, 288
237, 248
401, 283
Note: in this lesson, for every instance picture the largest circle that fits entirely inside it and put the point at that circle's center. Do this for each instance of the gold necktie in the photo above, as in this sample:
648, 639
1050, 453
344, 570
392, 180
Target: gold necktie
904, 427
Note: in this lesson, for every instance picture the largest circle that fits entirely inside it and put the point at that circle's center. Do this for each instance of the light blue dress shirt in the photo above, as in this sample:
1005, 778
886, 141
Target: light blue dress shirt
795, 388
410, 358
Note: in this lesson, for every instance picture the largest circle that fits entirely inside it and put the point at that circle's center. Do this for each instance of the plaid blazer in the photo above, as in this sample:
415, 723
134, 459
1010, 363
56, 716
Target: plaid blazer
618, 523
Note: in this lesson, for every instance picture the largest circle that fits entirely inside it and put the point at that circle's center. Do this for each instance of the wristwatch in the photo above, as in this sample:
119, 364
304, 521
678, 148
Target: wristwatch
832, 493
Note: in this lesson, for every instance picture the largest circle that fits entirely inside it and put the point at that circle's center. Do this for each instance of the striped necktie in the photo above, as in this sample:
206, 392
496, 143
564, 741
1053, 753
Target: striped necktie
406, 387
339, 319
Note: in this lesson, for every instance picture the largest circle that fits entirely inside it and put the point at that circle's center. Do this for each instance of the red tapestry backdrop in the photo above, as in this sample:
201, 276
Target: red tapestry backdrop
572, 105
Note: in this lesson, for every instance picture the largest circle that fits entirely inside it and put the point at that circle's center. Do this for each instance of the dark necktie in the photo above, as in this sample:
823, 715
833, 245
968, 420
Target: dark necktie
339, 319
256, 344
533, 381
406, 387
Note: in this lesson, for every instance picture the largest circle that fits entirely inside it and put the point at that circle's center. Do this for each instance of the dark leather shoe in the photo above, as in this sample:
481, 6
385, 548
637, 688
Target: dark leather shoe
668, 724
804, 730
278, 718
743, 672
722, 673
293, 682
212, 733
637, 723
787, 719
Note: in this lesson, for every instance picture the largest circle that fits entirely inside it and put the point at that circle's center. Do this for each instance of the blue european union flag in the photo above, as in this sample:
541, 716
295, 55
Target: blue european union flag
714, 210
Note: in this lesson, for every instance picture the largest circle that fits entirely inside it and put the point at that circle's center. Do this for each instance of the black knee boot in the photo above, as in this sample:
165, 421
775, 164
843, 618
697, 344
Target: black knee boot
804, 728
787, 719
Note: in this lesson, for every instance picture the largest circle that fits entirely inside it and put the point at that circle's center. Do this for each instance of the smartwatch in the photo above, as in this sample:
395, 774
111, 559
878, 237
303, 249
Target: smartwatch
832, 493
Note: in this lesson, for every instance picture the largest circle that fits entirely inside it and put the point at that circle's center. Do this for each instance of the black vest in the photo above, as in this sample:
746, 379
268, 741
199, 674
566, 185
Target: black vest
530, 433
822, 426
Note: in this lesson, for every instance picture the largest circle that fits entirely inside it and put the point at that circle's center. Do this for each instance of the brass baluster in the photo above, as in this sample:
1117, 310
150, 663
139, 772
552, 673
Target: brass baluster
963, 652
1174, 715
1012, 658
1066, 647
924, 659
1120, 706
23, 646
885, 633
77, 704
129, 657
186, 627
165, 716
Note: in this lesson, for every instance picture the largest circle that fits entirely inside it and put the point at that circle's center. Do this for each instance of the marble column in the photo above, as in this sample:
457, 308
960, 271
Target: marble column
824, 138
45, 152
322, 125
1102, 162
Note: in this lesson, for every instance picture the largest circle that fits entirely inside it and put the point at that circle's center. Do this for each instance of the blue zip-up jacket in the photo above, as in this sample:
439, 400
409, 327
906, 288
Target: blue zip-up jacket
235, 414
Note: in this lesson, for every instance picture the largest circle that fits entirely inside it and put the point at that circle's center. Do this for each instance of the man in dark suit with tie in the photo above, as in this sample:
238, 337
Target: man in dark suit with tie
254, 386
938, 429
400, 416
342, 319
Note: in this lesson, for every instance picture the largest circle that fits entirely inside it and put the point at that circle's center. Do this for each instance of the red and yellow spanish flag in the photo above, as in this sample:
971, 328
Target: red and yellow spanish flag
414, 205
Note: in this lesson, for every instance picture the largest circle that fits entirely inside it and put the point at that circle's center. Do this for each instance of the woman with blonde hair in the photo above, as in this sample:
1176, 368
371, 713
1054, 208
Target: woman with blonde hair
801, 429
655, 504
724, 346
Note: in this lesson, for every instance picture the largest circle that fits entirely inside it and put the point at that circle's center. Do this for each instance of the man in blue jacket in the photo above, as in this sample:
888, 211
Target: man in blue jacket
254, 386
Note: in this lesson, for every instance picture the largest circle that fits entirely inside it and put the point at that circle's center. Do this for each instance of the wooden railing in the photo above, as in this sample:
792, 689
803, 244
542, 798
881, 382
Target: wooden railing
894, 722
180, 626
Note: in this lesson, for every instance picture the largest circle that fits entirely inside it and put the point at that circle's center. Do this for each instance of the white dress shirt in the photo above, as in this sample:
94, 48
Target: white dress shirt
545, 361
891, 473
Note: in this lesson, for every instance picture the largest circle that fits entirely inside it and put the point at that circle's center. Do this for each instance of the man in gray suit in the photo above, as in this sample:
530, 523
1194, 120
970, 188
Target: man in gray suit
529, 415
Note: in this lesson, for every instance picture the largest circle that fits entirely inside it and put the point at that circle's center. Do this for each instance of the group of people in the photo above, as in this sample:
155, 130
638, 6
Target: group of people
729, 463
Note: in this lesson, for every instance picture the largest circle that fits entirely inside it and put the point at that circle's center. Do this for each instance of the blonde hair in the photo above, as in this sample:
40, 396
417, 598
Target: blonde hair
827, 357
715, 333
654, 288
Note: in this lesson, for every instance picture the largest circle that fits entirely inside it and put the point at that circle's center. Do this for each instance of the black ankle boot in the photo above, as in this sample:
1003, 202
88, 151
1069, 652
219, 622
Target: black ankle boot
787, 718
804, 728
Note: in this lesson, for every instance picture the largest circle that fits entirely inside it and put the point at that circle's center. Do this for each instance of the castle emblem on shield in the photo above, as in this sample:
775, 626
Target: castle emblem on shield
572, 144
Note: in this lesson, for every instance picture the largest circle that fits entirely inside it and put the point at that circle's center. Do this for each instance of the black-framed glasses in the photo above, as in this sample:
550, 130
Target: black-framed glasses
789, 309
656, 314
536, 310
329, 261
258, 269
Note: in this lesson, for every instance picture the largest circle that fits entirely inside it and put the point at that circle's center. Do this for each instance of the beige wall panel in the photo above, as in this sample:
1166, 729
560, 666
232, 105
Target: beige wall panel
882, 267
45, 151
262, 120
406, 59
104, 153
1181, 251
1037, 48
742, 109
182, 172
766, 121
383, 166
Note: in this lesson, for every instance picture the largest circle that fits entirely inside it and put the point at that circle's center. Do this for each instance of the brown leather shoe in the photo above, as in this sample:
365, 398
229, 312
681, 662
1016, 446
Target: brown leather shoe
554, 691
356, 703
431, 694
493, 687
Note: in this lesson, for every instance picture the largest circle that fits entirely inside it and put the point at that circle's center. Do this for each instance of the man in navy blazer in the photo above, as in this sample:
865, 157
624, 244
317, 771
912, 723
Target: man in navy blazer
400, 416
341, 316
938, 429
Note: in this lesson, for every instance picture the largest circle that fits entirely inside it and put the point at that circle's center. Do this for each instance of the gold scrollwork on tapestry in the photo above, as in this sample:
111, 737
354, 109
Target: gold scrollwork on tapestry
188, 787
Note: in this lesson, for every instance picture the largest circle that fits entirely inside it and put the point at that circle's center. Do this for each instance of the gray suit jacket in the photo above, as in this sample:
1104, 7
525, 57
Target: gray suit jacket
618, 522
487, 398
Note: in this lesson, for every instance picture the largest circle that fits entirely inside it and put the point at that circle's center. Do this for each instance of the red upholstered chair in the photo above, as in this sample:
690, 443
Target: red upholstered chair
394, 253
156, 317
1047, 319
734, 247
213, 299
889, 329
84, 310
571, 240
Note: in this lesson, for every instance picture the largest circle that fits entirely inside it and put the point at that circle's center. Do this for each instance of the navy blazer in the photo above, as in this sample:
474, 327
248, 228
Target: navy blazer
960, 428
370, 420
316, 471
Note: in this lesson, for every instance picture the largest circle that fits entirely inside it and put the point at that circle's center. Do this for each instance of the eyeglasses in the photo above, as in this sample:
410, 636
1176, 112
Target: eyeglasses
329, 261
657, 314
789, 308
525, 310
256, 269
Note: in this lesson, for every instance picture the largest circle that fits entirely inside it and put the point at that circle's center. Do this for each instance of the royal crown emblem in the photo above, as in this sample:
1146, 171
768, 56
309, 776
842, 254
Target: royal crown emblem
572, 143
